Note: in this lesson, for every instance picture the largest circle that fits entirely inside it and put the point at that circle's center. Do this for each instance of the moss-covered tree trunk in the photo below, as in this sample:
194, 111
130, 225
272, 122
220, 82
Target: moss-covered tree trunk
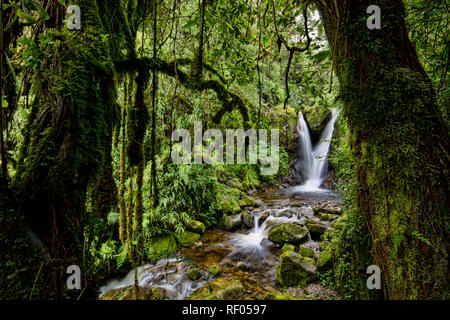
399, 144
75, 89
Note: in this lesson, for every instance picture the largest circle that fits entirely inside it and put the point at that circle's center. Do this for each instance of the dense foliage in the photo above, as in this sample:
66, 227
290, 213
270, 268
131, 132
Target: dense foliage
87, 118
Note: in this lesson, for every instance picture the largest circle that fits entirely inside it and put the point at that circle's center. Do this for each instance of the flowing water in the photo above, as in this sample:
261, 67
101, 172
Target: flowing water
314, 159
247, 254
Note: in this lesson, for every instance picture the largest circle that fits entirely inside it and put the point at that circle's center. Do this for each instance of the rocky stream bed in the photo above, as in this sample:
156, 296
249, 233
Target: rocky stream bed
272, 249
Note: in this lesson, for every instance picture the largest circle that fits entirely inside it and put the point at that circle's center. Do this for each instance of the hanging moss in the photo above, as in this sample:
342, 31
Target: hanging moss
138, 206
137, 122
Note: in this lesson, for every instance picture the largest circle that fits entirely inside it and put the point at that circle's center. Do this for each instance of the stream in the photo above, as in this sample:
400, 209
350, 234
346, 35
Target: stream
246, 253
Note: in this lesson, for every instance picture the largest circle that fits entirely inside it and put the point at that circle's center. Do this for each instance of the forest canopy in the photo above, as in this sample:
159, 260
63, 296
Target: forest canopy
92, 91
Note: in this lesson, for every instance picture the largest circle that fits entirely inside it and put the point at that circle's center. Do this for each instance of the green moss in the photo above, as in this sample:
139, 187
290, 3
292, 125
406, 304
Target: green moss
328, 217
287, 247
316, 228
295, 270
187, 238
279, 296
306, 252
196, 226
194, 274
228, 200
325, 260
246, 201
287, 233
215, 270
160, 247
324, 245
219, 289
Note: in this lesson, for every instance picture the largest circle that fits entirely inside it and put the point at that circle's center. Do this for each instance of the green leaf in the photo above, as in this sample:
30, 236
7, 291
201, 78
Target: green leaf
11, 22
320, 29
4, 102
13, 73
6, 6
396, 241
26, 17
322, 55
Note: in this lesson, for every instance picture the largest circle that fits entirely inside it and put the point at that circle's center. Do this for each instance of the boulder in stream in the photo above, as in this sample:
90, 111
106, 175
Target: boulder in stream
316, 228
288, 247
215, 270
306, 251
194, 274
233, 222
328, 217
248, 219
187, 238
325, 260
295, 270
219, 289
288, 233
263, 217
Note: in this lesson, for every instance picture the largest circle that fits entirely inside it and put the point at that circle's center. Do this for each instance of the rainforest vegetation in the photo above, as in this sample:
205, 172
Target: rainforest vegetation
86, 121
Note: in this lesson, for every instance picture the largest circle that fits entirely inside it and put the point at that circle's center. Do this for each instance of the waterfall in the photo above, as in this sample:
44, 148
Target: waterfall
314, 159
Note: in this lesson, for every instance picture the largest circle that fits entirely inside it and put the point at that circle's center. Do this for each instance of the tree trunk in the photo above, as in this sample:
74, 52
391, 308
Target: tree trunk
399, 144
66, 146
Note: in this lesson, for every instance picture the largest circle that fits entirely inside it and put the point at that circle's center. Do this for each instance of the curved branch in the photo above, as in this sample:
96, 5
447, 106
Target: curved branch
229, 99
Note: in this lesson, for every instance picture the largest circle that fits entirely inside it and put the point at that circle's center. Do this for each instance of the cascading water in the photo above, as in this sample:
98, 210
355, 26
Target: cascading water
251, 247
313, 159
170, 275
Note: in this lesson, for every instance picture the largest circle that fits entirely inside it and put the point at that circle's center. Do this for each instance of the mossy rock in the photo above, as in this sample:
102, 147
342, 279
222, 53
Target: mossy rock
295, 270
206, 220
246, 201
328, 217
161, 246
196, 226
316, 228
288, 247
127, 293
306, 252
248, 219
187, 238
194, 274
215, 270
279, 296
325, 260
219, 289
288, 233
233, 222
